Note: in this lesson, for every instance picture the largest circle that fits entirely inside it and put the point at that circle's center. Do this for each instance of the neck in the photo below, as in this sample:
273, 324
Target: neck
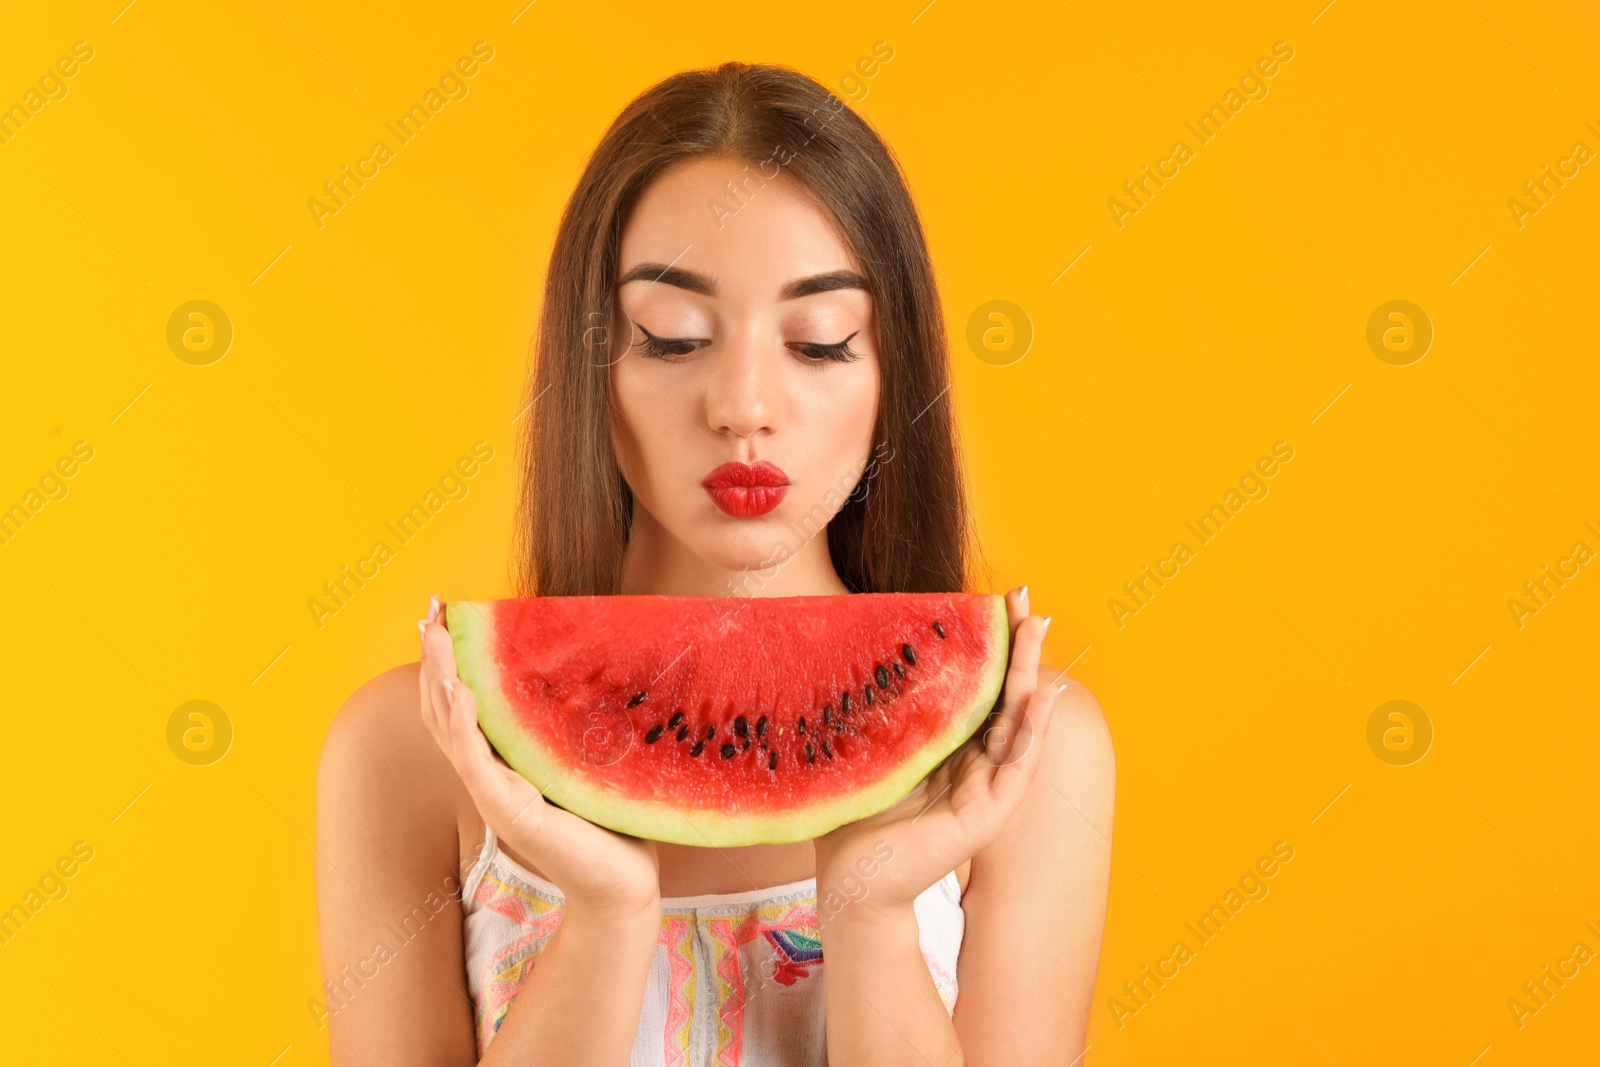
657, 563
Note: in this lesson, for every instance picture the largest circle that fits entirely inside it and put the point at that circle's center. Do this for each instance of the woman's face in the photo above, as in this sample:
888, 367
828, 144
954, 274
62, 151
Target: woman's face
745, 351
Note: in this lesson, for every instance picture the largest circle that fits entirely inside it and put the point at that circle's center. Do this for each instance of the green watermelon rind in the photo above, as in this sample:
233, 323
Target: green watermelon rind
475, 644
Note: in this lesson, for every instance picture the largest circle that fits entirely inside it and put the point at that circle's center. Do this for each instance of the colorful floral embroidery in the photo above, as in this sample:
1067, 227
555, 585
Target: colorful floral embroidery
728, 935
732, 972
508, 968
796, 951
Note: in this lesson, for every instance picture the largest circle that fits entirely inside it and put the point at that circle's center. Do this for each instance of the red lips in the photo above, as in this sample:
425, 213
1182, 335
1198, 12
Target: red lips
745, 490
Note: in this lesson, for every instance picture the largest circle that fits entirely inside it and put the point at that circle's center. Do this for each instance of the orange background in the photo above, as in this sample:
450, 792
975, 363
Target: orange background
1229, 313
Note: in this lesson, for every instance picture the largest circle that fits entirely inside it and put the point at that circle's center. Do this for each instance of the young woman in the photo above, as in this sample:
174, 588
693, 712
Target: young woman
740, 285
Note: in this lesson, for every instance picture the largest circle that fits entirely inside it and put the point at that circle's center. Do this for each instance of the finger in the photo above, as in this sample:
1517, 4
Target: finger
500, 798
1016, 608
426, 702
509, 802
1006, 736
439, 654
433, 708
427, 620
1008, 789
438, 665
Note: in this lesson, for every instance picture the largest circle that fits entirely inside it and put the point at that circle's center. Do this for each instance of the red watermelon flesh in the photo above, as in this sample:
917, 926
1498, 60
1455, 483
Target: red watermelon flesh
721, 721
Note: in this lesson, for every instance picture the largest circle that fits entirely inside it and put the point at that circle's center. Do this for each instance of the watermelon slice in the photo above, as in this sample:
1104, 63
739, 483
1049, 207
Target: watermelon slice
722, 721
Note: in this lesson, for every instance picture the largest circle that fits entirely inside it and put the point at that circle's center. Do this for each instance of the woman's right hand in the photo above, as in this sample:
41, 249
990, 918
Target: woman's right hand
601, 873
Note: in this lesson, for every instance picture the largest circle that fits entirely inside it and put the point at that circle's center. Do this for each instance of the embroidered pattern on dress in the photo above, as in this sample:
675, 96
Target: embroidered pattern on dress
798, 920
944, 982
727, 954
798, 951
508, 968
677, 936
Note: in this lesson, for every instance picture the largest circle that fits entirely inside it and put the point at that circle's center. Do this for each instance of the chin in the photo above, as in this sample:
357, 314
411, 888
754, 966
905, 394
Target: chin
753, 546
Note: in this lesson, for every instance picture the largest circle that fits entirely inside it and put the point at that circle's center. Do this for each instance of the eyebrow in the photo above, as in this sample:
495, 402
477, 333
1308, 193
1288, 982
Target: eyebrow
696, 282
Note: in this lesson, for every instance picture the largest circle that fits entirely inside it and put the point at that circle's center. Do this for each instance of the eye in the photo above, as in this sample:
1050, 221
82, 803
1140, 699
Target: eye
654, 347
838, 352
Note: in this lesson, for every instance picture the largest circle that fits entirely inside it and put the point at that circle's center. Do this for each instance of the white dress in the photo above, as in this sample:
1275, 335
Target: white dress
736, 980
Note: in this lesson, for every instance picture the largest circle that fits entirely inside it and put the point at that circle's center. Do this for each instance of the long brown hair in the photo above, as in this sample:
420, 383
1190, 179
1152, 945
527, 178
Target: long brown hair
904, 528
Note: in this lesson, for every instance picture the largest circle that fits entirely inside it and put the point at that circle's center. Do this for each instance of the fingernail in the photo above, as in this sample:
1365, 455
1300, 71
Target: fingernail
422, 633
1023, 598
1046, 626
1062, 688
433, 609
450, 687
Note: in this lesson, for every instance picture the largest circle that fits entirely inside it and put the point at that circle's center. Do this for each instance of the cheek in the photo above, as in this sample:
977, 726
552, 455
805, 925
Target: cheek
631, 423
654, 442
837, 418
848, 408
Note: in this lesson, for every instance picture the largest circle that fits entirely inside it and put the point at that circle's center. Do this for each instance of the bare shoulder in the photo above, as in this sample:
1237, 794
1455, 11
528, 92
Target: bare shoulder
379, 727
378, 701
381, 771
1062, 828
1079, 742
388, 866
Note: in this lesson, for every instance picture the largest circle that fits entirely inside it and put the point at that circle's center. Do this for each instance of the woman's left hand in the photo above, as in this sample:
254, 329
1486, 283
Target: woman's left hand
881, 863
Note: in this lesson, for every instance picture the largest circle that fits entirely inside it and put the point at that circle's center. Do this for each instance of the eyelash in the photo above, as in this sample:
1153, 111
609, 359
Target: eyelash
654, 347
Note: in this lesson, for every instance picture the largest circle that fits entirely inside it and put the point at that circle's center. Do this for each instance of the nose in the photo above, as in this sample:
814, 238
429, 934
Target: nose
741, 388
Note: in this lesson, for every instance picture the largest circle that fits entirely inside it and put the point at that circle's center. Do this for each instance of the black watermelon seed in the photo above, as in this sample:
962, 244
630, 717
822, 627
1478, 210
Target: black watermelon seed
938, 629
844, 703
744, 743
741, 726
653, 734
882, 676
827, 714
838, 728
811, 753
867, 692
683, 731
676, 720
827, 750
761, 726
899, 671
802, 727
638, 698
699, 747
772, 762
910, 654
728, 751
711, 731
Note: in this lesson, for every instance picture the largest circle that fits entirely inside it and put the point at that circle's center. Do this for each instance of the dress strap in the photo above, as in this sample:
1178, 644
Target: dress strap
469, 885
